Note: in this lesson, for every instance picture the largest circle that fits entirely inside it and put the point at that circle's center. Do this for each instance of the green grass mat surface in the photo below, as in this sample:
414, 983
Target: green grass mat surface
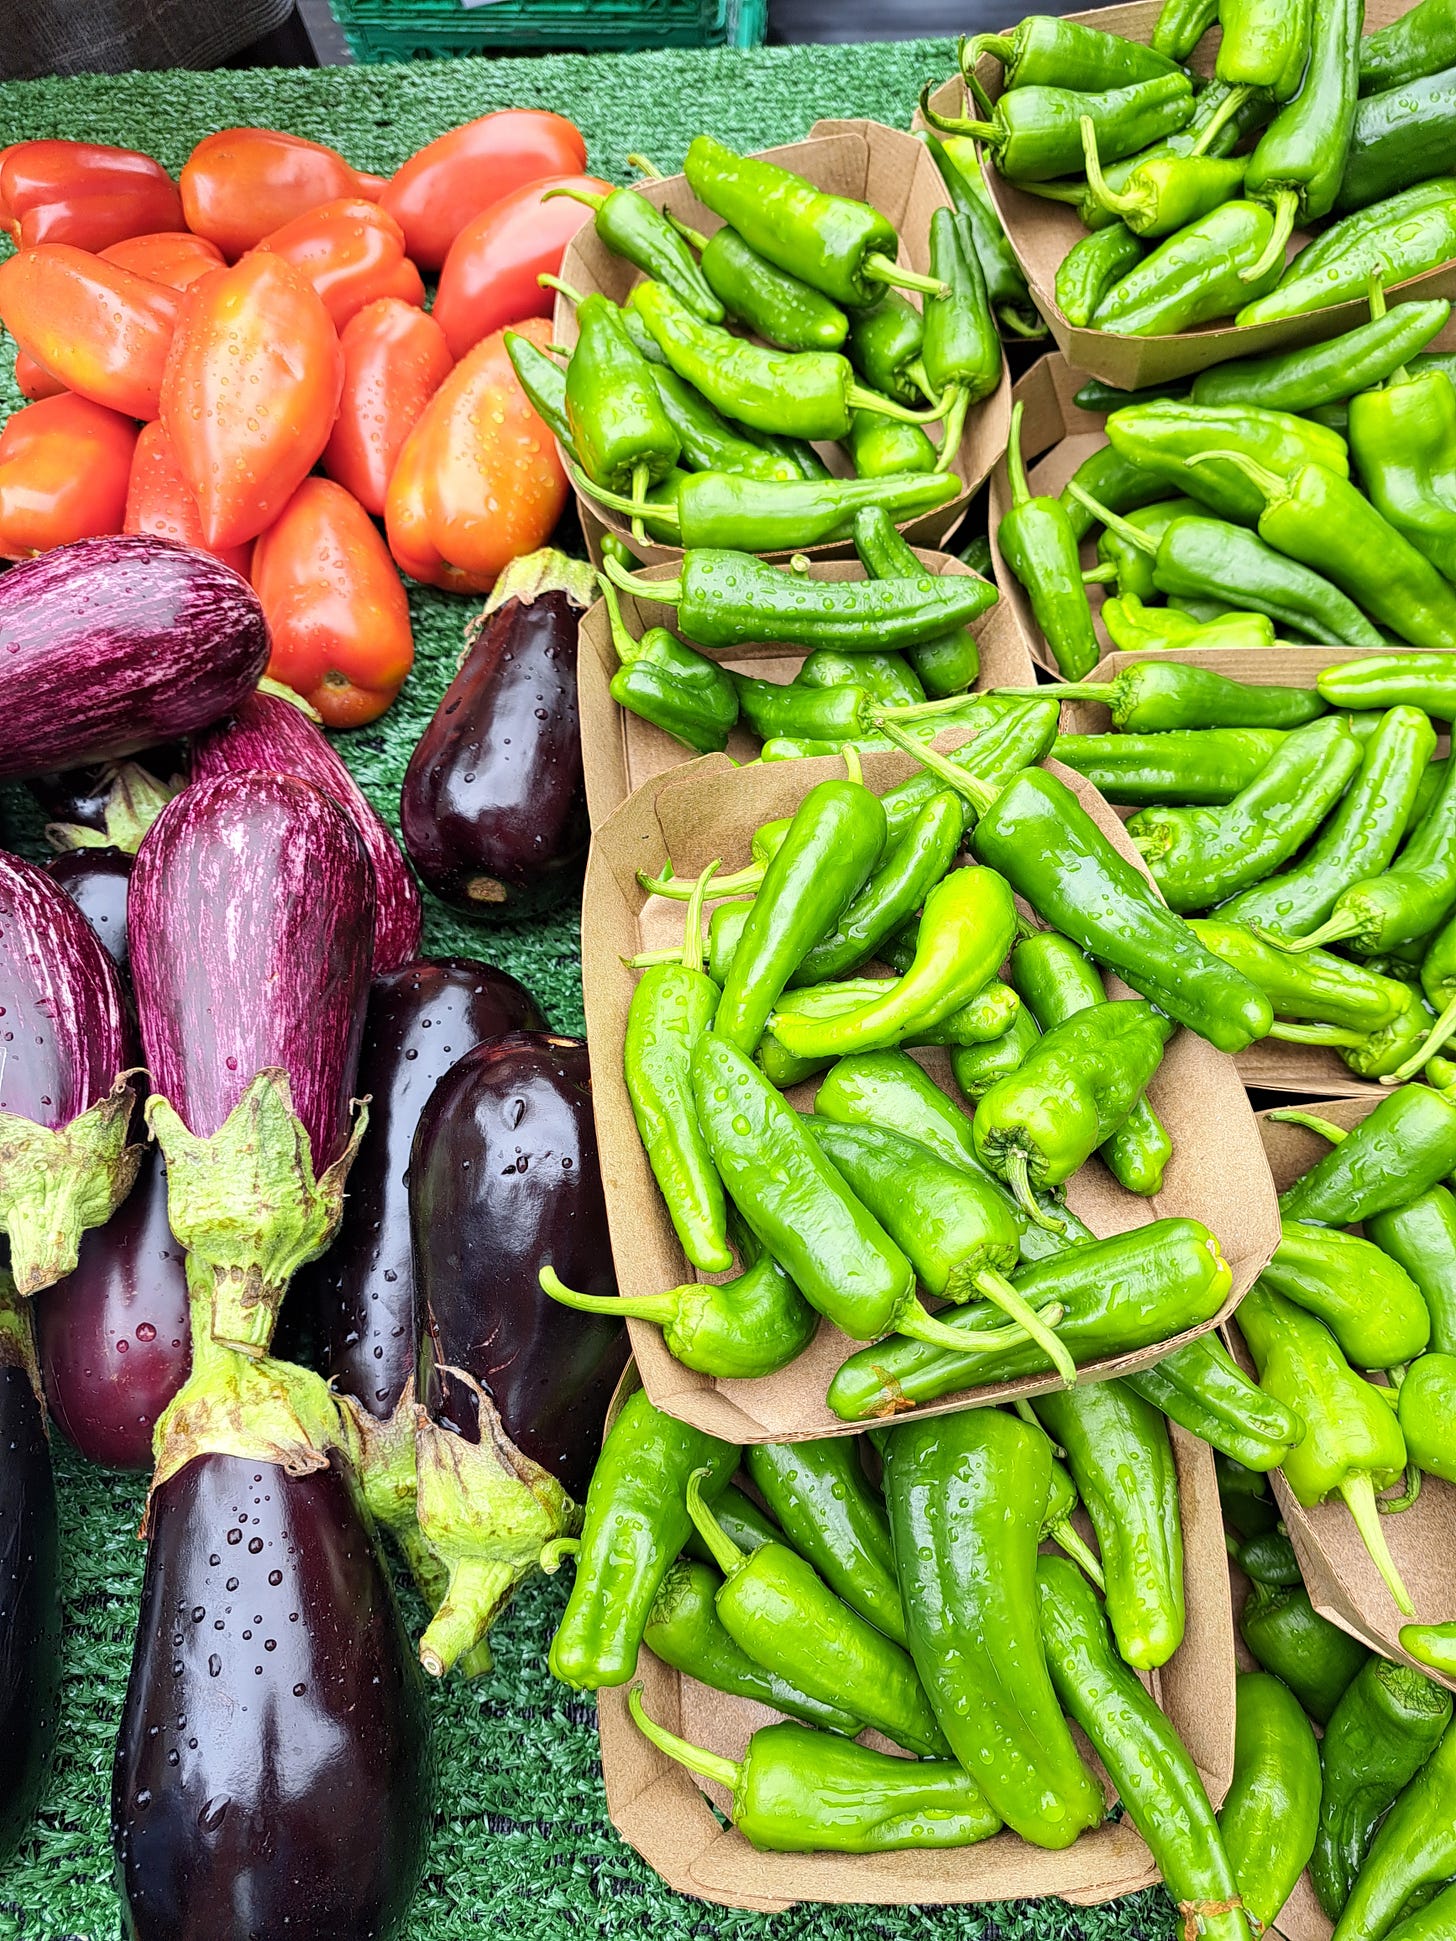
522, 1845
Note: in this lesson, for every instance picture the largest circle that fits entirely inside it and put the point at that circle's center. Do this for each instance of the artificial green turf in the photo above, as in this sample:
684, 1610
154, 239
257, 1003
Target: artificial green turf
522, 1844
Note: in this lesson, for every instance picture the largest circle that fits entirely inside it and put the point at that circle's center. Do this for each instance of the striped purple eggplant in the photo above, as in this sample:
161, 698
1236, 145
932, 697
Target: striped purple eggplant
504, 1180
111, 645
266, 731
65, 1102
251, 922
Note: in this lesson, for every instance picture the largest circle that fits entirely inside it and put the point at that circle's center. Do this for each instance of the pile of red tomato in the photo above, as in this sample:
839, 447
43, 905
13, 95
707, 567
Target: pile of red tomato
241, 361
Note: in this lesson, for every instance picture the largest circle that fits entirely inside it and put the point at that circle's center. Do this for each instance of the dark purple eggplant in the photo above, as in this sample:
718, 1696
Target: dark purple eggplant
493, 799
111, 645
266, 731
30, 1606
65, 1105
504, 1180
113, 1337
251, 920
272, 1775
96, 881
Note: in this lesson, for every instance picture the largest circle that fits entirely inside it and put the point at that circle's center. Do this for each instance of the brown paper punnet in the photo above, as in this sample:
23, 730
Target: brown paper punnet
709, 809
1343, 1583
1275, 1067
663, 1811
864, 159
1042, 232
621, 751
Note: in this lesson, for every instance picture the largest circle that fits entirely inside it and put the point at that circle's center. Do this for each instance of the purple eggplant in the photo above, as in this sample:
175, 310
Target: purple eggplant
504, 1179
266, 731
65, 1099
30, 1606
113, 1337
272, 1774
96, 881
112, 645
493, 799
251, 920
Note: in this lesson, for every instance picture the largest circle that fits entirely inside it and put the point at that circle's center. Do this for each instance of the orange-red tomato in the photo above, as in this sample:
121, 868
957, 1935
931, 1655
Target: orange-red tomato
64, 466
83, 193
350, 250
32, 381
170, 256
395, 359
102, 331
442, 185
478, 481
337, 612
159, 500
250, 392
490, 276
241, 184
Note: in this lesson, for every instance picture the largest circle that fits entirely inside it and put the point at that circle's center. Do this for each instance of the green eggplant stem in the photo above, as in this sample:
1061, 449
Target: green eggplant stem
554, 1554
1359, 1494
697, 1759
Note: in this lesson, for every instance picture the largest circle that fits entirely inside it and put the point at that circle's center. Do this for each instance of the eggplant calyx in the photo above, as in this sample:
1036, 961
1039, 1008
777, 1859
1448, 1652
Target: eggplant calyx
382, 1454
17, 1342
134, 800
486, 1511
534, 575
244, 1202
57, 1182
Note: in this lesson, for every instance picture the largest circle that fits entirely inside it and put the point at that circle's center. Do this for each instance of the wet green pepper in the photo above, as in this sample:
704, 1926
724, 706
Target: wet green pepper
888, 678
1034, 132
670, 685
1421, 1236
1383, 1730
1208, 767
1367, 1300
1200, 856
1420, 41
726, 510
881, 447
1403, 437
1427, 1415
1040, 547
986, 1016
1317, 986
709, 442
1182, 443
619, 429
1202, 1388
1288, 1636
776, 1607
1129, 624
1264, 45
778, 708
1181, 25
1046, 51
1267, 1558
1432, 1922
795, 1791
641, 235
1352, 1444
685, 1631
885, 343
1165, 192
948, 664
1398, 1151
1121, 1460
966, 1495
828, 1510
1300, 159
1316, 374
636, 1522
1431, 1644
776, 306
1400, 238
1094, 264
1397, 138
1193, 276
744, 1521
1018, 737
1118, 1294
544, 382
959, 163
1116, 481
962, 359
1152, 1769
1271, 1810
1412, 1854
1136, 629
1154, 696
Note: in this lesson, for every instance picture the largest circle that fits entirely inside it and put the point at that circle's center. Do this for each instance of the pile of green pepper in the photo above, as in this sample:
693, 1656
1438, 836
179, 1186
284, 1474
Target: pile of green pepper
1356, 134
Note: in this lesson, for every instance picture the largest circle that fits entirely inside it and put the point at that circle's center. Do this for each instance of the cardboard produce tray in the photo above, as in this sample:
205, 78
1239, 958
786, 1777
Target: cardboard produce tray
1312, 1069
1343, 1583
881, 165
665, 1812
1042, 232
1218, 1173
621, 751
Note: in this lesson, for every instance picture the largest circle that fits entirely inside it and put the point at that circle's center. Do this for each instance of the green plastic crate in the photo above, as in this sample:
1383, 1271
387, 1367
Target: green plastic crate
412, 30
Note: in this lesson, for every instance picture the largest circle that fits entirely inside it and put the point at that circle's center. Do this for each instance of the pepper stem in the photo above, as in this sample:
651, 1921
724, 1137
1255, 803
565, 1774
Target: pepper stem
952, 428
979, 794
1434, 1039
697, 1759
1065, 1537
633, 509
549, 282
970, 48
1226, 111
641, 481
1015, 462
853, 766
659, 1308
692, 950
920, 1326
689, 235
1124, 528
1102, 575
1294, 1115
1333, 1035
1332, 931
947, 704
1062, 691
679, 889
1286, 208
981, 131
1018, 1178
1097, 181
1358, 1491
669, 592
626, 648
859, 399
721, 1547
1408, 1498
1269, 483
554, 1554
880, 269
644, 165
1000, 1292
583, 196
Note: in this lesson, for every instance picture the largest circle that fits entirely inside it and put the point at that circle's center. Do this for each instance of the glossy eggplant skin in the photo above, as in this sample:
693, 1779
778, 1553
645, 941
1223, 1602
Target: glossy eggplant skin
504, 1179
493, 799
113, 1337
111, 645
272, 1773
266, 732
251, 923
96, 881
30, 1609
63, 1025
419, 1021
